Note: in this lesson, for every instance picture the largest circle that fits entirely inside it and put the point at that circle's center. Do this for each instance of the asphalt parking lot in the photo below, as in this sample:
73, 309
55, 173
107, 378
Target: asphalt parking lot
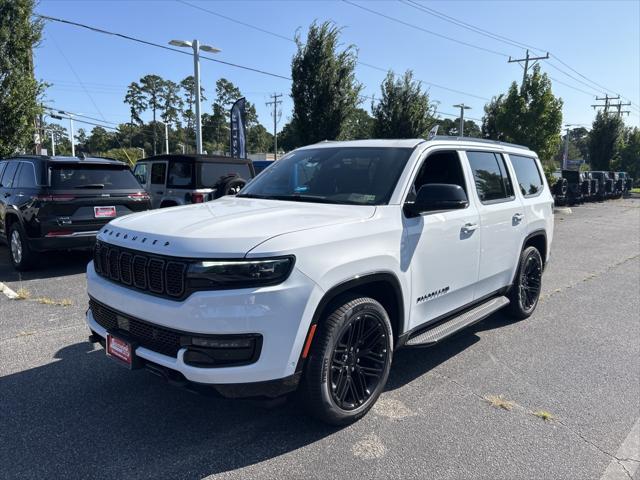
67, 411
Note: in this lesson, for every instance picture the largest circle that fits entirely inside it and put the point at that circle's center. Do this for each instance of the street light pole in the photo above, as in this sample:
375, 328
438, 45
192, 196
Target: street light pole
166, 137
53, 143
462, 108
196, 74
196, 47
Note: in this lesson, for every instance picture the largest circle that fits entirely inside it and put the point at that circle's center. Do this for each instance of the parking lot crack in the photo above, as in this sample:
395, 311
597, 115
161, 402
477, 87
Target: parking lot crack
590, 276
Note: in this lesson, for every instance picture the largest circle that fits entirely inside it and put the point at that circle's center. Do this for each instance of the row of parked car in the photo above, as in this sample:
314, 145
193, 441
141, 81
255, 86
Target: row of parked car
572, 187
58, 203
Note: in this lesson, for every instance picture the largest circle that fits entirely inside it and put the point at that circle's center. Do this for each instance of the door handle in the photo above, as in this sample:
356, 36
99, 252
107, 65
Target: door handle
7, 194
159, 193
517, 218
469, 227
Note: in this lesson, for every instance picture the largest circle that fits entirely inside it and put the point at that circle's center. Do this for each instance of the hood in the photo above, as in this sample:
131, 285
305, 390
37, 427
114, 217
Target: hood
225, 228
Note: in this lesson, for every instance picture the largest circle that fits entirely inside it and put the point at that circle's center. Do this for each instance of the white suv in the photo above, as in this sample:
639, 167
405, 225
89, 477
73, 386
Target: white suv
326, 263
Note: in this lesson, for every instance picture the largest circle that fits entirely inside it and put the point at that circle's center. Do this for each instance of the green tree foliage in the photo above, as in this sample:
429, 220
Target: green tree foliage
359, 125
61, 138
188, 89
153, 87
135, 97
451, 127
531, 117
404, 111
259, 139
605, 141
630, 154
288, 138
99, 140
19, 90
171, 103
324, 88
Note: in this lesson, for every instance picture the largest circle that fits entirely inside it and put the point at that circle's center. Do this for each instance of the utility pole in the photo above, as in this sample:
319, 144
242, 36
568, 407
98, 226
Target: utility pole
526, 61
462, 108
607, 102
275, 102
618, 106
565, 154
53, 143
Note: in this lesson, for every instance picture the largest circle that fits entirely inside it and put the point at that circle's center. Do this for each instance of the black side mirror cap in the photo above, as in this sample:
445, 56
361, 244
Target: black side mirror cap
437, 197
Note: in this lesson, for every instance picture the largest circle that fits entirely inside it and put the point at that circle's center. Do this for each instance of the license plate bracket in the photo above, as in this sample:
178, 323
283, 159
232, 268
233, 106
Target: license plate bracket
104, 212
122, 350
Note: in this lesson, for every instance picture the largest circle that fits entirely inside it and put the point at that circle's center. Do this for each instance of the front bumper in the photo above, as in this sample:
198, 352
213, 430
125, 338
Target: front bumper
280, 314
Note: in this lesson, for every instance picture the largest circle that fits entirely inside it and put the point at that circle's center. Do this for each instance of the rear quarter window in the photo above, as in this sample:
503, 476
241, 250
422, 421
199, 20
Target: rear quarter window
527, 175
180, 175
69, 177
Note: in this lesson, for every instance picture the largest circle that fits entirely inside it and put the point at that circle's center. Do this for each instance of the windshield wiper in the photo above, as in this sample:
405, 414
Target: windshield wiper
90, 185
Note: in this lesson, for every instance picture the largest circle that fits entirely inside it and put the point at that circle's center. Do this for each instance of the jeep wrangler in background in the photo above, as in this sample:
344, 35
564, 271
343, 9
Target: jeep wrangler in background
575, 184
173, 180
323, 266
605, 184
559, 188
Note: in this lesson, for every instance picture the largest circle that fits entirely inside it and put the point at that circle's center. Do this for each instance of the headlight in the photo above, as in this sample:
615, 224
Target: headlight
221, 274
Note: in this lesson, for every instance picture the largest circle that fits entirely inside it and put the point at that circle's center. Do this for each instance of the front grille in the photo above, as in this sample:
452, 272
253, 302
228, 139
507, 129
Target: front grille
153, 274
147, 335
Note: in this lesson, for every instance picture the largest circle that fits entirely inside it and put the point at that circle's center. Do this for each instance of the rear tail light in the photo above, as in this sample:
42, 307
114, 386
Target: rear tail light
197, 197
139, 196
55, 198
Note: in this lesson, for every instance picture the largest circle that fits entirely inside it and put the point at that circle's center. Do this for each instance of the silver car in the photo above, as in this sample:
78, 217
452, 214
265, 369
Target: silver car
174, 180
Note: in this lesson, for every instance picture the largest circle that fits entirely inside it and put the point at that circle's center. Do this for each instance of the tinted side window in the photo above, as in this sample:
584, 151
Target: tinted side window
180, 175
528, 175
491, 176
140, 173
7, 176
158, 171
26, 177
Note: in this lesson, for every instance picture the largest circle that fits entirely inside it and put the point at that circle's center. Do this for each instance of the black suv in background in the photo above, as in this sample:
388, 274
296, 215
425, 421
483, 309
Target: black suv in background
60, 203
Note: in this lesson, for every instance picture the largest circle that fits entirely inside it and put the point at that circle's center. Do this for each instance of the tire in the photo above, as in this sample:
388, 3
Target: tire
22, 257
340, 384
525, 291
232, 186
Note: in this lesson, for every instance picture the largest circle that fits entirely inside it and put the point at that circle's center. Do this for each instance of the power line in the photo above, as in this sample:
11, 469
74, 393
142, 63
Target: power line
468, 26
291, 40
157, 45
430, 32
526, 61
510, 41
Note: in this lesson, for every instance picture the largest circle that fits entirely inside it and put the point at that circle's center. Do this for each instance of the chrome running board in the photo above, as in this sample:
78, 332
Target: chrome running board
433, 335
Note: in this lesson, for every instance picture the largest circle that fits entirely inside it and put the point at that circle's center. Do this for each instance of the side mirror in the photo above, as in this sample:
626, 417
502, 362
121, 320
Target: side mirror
436, 197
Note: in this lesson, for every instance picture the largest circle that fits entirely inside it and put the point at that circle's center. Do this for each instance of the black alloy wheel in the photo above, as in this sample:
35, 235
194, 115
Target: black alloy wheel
358, 361
525, 292
349, 360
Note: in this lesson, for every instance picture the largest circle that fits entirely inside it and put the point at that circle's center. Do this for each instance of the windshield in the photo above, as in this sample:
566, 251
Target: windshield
349, 175
73, 176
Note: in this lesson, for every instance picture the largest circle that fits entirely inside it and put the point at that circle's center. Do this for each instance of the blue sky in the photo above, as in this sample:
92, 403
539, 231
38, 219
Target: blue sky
598, 39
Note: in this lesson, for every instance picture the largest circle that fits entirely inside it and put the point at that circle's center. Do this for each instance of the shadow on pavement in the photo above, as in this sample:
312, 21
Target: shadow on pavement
49, 265
84, 416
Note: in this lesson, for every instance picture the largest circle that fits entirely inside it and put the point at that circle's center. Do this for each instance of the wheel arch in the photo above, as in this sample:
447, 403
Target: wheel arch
381, 286
11, 216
